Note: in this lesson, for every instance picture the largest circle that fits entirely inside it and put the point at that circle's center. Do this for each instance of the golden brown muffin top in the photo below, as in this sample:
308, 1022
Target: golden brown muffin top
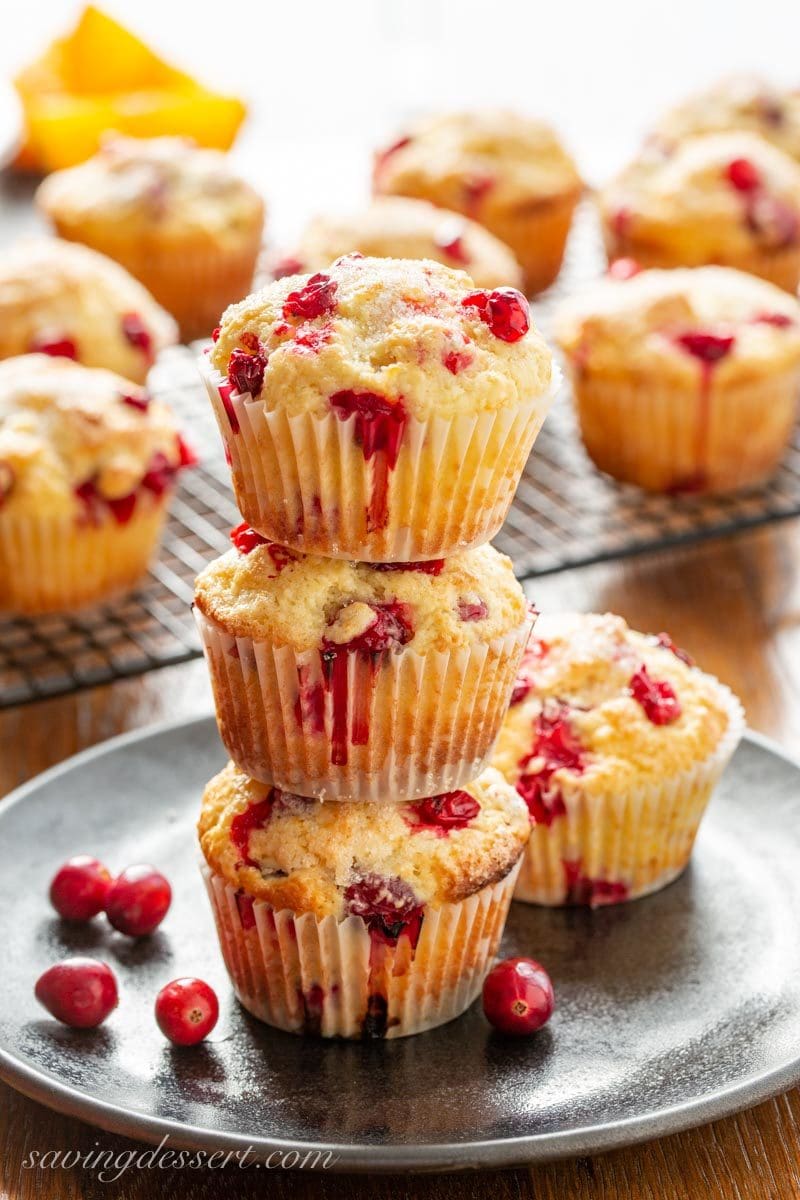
736, 102
371, 860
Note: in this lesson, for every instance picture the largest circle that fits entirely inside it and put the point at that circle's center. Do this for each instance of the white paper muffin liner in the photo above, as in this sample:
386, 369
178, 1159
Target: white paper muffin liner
431, 719
53, 564
303, 480
327, 977
624, 843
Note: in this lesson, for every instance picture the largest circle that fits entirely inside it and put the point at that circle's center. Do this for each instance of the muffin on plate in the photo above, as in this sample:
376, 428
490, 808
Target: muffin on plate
87, 466
66, 300
615, 741
356, 682
509, 172
727, 198
684, 380
396, 227
736, 102
176, 216
344, 920
381, 410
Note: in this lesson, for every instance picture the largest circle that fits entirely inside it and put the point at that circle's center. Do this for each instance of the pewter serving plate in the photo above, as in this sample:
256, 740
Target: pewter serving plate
671, 1011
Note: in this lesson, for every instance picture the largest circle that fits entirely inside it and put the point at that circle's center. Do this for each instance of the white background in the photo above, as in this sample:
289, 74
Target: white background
328, 79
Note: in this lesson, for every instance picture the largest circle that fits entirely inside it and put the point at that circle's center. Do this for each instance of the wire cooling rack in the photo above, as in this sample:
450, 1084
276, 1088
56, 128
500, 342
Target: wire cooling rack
565, 515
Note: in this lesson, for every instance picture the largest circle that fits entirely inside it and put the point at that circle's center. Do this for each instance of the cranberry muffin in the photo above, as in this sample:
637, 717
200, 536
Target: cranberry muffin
396, 227
349, 681
736, 102
87, 465
62, 299
615, 741
344, 920
509, 172
176, 216
684, 380
381, 410
727, 198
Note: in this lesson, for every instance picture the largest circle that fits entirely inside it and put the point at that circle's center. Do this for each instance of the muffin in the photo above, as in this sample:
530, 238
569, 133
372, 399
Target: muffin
382, 410
506, 171
345, 921
177, 217
684, 380
726, 198
737, 102
615, 741
394, 227
66, 300
356, 682
87, 465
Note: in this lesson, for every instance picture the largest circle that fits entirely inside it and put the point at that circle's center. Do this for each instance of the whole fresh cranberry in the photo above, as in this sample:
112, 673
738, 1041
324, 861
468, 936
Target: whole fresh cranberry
80, 888
505, 311
186, 1011
518, 996
138, 900
80, 992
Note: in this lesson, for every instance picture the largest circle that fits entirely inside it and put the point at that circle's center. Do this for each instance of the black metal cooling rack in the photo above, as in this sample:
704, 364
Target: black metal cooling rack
565, 515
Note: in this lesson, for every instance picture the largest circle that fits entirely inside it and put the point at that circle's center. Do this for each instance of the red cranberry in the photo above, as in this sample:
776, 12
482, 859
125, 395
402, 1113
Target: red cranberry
744, 175
159, 475
555, 747
142, 403
656, 696
316, 297
255, 816
137, 333
245, 539
434, 566
518, 996
535, 651
663, 639
225, 394
138, 900
79, 888
470, 608
383, 156
391, 629
311, 340
777, 319
215, 332
708, 347
387, 906
56, 347
475, 190
379, 422
246, 372
186, 1011
187, 455
594, 893
505, 311
624, 268
451, 810
288, 265
773, 221
122, 508
80, 992
450, 240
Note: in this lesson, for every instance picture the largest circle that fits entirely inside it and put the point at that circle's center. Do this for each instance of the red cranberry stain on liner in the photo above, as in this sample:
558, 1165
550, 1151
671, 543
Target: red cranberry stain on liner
583, 891
391, 629
379, 424
535, 651
309, 707
709, 348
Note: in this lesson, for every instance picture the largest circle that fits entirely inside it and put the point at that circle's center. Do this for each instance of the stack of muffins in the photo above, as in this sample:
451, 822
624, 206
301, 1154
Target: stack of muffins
363, 641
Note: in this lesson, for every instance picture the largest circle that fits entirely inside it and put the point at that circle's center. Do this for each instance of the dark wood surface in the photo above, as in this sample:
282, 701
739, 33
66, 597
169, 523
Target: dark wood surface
735, 606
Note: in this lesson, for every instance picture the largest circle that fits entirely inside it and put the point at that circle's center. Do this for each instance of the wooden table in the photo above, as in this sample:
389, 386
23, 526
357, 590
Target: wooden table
735, 606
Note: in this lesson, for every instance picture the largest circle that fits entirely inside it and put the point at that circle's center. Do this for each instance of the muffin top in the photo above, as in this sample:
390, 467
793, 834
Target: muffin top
382, 862
80, 439
159, 187
737, 102
263, 591
719, 195
616, 708
397, 227
64, 299
372, 332
675, 322
477, 162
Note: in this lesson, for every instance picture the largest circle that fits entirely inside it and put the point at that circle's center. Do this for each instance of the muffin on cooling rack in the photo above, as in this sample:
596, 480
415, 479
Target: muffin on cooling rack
684, 380
509, 172
736, 102
176, 216
396, 227
344, 920
66, 300
615, 741
727, 198
356, 682
381, 410
87, 465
